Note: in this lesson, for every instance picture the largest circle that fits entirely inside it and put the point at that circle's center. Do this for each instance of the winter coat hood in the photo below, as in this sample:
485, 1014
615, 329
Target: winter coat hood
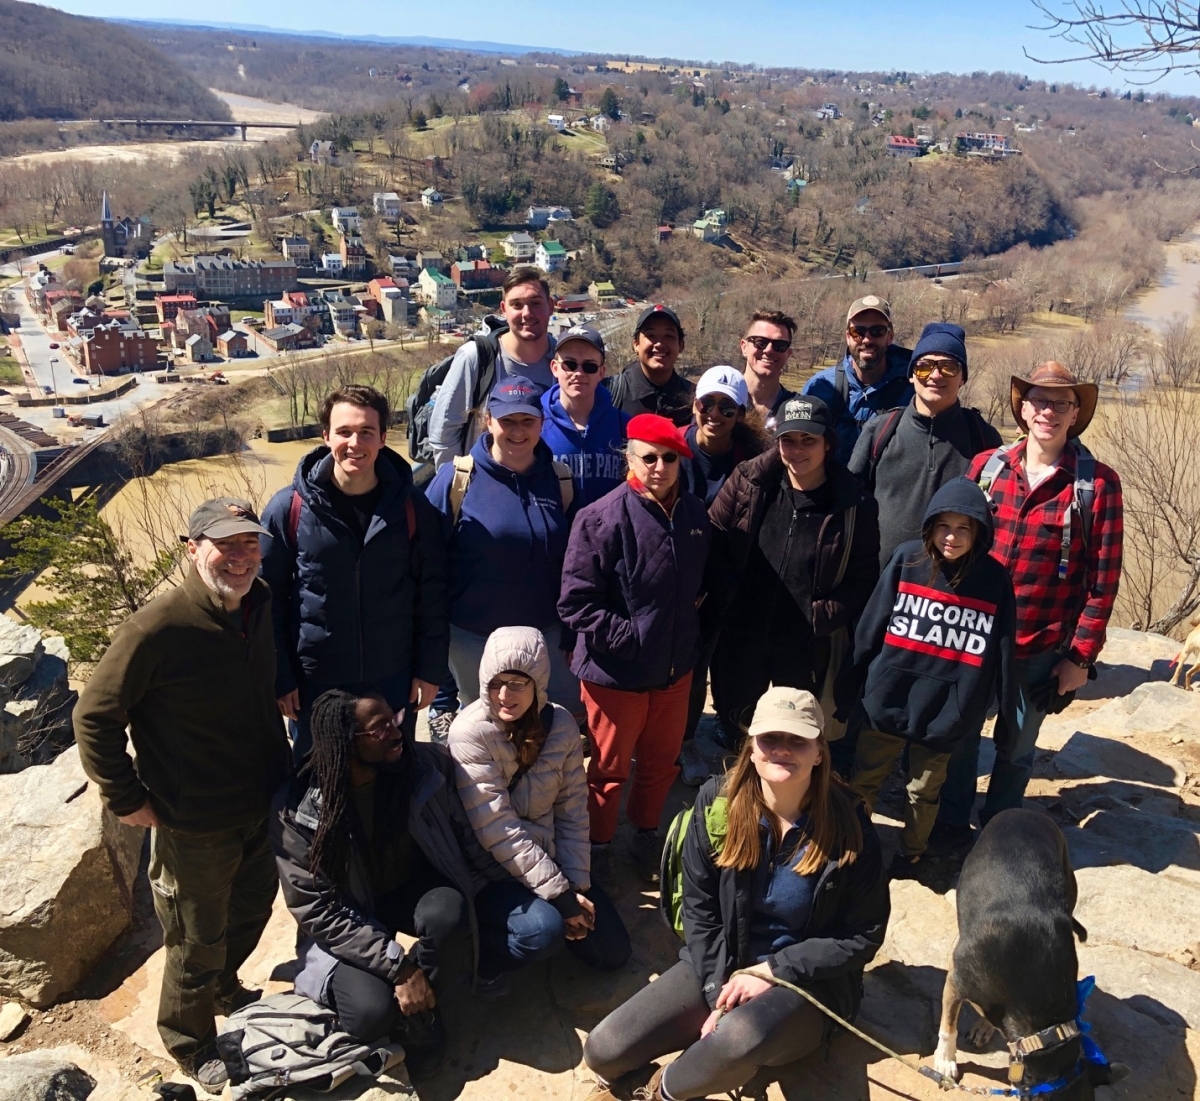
963, 496
515, 650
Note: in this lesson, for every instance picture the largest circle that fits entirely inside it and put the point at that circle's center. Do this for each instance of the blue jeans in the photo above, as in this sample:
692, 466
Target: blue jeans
1014, 753
516, 928
466, 651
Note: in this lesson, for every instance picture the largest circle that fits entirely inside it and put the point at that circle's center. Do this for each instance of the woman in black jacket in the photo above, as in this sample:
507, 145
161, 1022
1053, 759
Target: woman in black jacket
795, 891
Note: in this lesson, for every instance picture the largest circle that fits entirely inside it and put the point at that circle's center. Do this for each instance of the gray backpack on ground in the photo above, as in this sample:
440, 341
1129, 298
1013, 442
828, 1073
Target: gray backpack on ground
289, 1040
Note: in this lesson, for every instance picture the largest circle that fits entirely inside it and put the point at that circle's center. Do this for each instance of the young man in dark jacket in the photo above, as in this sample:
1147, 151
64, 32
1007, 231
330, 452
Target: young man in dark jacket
357, 569
904, 456
371, 838
650, 384
192, 677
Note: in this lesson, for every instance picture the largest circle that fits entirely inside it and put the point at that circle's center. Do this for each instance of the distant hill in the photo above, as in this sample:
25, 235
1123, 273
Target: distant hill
54, 65
375, 39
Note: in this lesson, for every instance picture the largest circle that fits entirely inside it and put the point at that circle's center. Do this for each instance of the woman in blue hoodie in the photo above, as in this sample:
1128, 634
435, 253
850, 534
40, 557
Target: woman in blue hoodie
505, 508
935, 648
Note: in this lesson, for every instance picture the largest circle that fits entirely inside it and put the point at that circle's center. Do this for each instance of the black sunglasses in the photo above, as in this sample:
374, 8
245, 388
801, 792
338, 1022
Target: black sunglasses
587, 366
725, 408
875, 332
653, 459
762, 343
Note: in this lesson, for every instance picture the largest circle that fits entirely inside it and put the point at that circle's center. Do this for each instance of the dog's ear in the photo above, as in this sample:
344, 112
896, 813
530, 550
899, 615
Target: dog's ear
1080, 931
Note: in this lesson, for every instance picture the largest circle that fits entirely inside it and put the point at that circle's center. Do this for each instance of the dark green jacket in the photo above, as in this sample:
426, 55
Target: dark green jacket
197, 691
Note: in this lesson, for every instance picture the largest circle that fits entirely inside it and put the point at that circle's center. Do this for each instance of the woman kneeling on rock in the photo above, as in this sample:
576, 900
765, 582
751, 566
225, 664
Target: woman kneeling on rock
794, 891
519, 768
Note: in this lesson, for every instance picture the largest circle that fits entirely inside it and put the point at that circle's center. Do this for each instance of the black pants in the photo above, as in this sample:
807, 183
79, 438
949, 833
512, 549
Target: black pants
773, 1029
744, 666
428, 908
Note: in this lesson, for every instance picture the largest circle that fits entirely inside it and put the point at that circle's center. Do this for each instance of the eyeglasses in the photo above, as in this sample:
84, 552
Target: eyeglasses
513, 684
379, 733
727, 409
762, 343
587, 366
875, 332
653, 458
947, 368
1059, 405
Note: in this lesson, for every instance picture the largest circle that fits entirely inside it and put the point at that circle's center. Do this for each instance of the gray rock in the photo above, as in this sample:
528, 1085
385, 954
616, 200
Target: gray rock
1086, 756
20, 648
1152, 842
43, 1076
1129, 658
1164, 990
1152, 708
67, 868
1131, 908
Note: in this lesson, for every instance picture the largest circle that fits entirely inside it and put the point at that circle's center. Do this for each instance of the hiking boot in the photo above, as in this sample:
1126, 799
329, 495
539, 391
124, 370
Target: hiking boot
423, 1037
905, 867
652, 1090
694, 766
207, 1068
647, 854
946, 840
493, 989
604, 872
439, 726
237, 998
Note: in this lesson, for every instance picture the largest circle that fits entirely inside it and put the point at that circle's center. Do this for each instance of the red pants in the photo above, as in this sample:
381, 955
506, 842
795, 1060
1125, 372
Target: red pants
622, 724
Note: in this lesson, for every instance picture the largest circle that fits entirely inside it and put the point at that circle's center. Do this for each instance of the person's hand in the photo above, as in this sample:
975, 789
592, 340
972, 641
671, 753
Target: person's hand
422, 693
741, 988
413, 992
289, 704
1069, 676
588, 907
143, 816
710, 1023
577, 927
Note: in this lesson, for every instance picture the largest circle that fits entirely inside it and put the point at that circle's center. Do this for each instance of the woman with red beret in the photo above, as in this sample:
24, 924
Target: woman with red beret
631, 589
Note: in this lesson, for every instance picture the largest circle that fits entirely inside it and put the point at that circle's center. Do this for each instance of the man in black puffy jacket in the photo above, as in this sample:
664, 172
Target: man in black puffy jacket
356, 569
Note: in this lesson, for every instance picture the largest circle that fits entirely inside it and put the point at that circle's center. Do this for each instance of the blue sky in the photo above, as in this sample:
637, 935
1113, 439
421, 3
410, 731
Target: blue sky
925, 36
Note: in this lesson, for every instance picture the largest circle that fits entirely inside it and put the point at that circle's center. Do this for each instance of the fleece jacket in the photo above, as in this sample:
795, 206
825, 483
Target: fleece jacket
593, 453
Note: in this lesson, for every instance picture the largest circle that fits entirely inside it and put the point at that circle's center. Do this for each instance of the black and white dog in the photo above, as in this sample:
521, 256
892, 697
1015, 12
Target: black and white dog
1015, 958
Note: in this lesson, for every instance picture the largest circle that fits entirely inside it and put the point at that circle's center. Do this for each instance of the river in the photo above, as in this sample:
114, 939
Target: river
1175, 293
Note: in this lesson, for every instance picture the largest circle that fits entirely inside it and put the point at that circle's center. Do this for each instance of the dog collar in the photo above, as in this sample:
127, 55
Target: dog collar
1039, 1041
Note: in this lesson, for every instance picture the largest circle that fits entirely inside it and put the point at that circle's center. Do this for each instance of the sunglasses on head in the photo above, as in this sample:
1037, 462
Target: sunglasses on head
587, 366
762, 343
653, 458
948, 368
727, 409
875, 332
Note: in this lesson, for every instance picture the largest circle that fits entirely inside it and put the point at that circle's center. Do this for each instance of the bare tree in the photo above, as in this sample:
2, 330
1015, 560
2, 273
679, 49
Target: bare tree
1176, 359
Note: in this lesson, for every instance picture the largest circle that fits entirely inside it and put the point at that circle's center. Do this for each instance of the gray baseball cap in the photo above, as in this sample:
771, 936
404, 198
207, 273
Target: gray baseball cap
222, 517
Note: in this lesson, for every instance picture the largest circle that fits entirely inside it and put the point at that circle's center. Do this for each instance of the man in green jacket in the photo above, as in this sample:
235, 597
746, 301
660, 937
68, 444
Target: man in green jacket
192, 676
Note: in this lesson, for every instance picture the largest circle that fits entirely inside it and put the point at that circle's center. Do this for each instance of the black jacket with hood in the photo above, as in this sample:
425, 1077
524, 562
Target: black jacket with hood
934, 656
339, 924
845, 929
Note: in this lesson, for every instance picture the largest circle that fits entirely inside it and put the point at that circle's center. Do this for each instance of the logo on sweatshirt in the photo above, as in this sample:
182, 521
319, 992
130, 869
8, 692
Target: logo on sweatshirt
943, 625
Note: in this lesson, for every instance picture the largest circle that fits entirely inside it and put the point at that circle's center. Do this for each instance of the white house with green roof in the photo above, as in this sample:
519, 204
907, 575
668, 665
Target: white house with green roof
550, 256
437, 289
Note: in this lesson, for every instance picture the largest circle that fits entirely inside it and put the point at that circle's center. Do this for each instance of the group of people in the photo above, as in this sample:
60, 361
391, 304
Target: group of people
860, 570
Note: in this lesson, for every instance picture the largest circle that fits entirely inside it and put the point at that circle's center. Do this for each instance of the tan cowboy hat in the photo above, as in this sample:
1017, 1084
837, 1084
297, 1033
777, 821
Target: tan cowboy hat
1054, 376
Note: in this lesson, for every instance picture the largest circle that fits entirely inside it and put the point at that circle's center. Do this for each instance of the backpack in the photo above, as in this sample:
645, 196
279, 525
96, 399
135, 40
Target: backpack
892, 421
420, 402
293, 520
288, 1040
1082, 499
670, 874
464, 468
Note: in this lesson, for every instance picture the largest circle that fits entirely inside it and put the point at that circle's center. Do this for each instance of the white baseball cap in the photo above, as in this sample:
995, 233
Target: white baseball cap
724, 380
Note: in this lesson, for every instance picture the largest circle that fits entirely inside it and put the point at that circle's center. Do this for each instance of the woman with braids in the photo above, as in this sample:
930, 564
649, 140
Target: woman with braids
782, 880
371, 839
519, 767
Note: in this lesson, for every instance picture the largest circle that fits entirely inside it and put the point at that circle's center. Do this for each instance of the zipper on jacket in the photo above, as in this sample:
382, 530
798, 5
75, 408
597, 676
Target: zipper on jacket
362, 661
787, 546
675, 563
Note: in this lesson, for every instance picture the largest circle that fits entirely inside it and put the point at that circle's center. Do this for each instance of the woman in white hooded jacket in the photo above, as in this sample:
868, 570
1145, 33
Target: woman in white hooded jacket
519, 767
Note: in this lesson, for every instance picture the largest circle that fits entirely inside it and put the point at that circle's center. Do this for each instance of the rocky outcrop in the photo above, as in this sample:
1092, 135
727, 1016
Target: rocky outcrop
43, 1076
66, 876
35, 700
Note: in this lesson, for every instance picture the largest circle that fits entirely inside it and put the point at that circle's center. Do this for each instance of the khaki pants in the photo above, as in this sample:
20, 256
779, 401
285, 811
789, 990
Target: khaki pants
873, 761
213, 894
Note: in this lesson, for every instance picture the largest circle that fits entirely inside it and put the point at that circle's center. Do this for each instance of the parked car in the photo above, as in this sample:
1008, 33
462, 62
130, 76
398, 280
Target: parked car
53, 346
80, 381
47, 390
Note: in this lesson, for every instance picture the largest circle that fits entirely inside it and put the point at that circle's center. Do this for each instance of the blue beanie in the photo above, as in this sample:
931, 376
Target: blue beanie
940, 338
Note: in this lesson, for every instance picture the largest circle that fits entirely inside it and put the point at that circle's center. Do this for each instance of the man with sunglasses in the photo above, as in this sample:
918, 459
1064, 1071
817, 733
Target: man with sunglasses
904, 456
1058, 530
582, 427
651, 384
872, 376
767, 347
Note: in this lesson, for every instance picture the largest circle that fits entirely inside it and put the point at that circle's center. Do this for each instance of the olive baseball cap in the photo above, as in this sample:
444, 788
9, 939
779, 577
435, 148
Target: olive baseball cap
787, 711
867, 303
222, 517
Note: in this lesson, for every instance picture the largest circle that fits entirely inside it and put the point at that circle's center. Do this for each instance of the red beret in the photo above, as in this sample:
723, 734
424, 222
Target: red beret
651, 428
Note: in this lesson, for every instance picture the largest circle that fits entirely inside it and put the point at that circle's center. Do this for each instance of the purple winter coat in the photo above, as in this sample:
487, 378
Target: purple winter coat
630, 583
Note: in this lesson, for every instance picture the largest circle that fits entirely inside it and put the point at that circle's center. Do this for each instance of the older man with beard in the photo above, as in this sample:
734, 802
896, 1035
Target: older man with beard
192, 677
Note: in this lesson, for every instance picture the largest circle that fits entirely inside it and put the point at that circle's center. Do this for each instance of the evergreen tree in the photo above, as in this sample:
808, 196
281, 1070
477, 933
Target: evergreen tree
610, 105
601, 206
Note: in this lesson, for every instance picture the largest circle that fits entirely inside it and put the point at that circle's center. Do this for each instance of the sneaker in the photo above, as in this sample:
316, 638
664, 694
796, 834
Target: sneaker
945, 840
647, 854
694, 767
238, 998
207, 1068
439, 726
604, 872
904, 867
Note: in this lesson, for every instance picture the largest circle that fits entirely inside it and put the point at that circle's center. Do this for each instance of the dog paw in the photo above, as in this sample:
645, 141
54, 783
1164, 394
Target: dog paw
943, 1059
981, 1033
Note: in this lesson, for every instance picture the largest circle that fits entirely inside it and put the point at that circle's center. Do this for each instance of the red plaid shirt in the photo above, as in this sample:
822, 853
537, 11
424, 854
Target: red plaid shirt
1029, 527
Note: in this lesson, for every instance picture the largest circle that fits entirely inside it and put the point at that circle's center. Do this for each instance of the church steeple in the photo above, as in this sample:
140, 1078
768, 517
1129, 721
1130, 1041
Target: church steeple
105, 210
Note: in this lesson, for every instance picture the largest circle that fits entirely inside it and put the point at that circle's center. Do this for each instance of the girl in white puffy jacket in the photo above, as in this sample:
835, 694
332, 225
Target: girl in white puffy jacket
519, 767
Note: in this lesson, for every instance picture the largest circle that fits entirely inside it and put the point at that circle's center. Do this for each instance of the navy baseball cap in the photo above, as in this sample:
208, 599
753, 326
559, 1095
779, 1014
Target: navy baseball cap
582, 332
658, 310
515, 395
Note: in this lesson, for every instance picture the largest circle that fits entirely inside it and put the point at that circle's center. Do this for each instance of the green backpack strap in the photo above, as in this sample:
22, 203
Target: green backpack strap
716, 823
